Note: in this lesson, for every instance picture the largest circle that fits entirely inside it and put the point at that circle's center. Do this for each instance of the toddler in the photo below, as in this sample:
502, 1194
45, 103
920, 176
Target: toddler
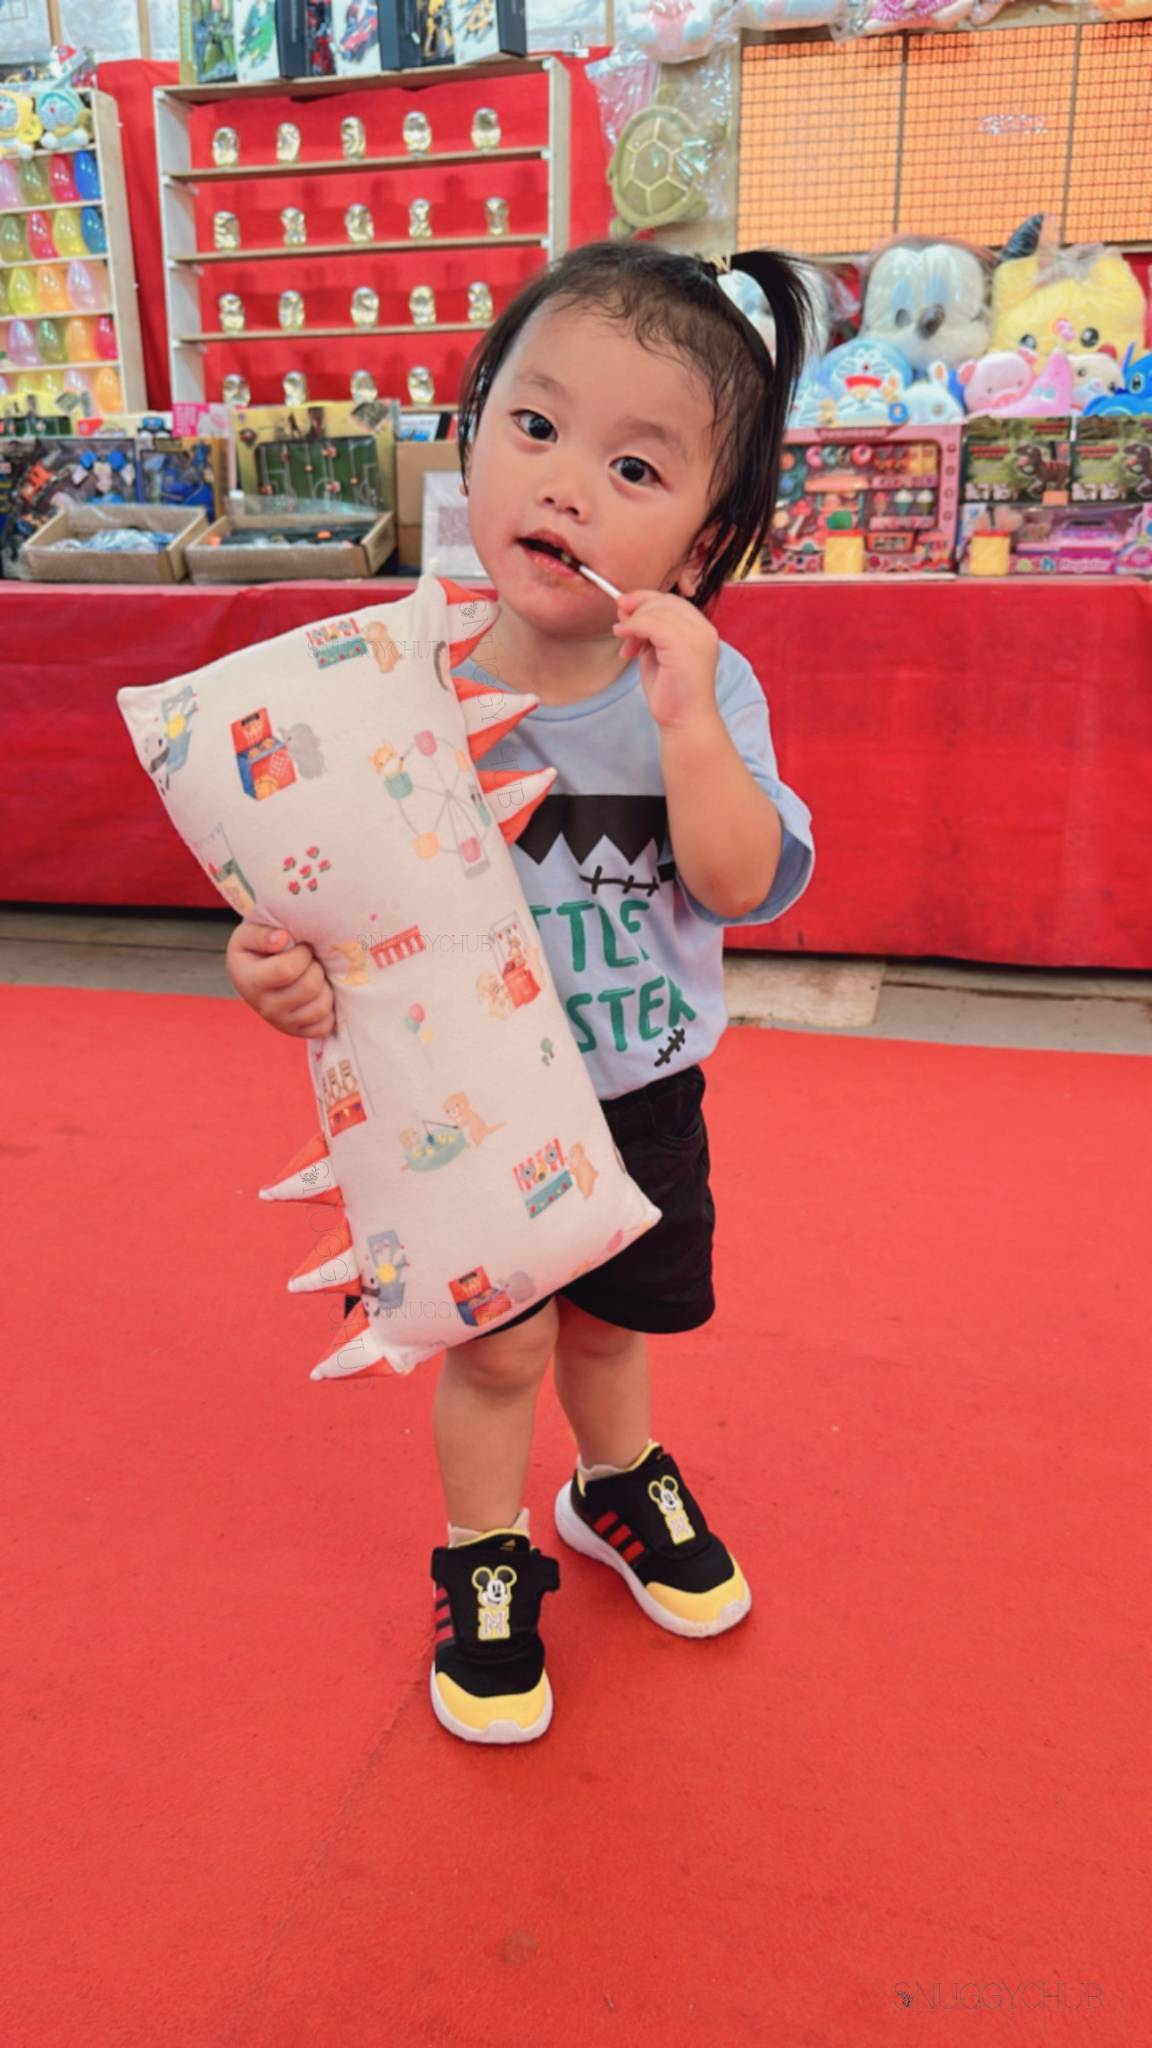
622, 415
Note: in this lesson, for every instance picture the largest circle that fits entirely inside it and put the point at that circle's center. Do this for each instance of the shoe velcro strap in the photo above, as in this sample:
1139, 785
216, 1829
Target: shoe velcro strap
466, 1574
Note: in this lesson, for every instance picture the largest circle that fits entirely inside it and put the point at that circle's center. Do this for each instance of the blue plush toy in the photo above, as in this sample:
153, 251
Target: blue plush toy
1134, 395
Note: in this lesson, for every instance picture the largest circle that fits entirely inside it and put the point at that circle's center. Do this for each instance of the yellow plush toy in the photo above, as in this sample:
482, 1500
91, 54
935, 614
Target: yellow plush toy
1080, 299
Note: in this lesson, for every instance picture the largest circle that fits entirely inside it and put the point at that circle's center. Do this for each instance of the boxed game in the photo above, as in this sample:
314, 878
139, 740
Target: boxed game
489, 28
207, 42
365, 37
1112, 460
254, 34
424, 29
328, 461
304, 34
865, 500
246, 551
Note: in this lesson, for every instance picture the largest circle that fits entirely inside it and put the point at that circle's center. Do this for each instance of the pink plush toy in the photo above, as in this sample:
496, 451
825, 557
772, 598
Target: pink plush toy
993, 381
1049, 397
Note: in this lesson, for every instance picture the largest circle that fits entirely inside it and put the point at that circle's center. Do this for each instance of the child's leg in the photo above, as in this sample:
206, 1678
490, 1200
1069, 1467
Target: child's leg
482, 1419
601, 1375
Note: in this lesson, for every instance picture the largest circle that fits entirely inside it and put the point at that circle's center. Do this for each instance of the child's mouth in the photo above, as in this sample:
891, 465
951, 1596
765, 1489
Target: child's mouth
552, 552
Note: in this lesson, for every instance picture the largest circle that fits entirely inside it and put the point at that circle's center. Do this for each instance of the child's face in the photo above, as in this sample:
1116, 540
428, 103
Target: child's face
591, 444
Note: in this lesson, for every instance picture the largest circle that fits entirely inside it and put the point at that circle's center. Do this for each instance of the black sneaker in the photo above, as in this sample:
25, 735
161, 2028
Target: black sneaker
647, 1526
488, 1678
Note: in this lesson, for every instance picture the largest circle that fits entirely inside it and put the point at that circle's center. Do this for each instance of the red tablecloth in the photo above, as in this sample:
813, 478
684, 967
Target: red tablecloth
978, 757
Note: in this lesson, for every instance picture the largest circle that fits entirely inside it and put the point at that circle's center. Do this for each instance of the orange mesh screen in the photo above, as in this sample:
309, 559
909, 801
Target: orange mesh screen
1110, 186
819, 137
985, 141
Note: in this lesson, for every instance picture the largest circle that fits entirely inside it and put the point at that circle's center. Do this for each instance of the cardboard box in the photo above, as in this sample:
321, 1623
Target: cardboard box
414, 459
211, 560
48, 564
488, 28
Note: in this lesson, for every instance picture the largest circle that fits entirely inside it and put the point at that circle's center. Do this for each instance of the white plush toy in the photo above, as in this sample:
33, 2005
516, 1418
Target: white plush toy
463, 1168
929, 300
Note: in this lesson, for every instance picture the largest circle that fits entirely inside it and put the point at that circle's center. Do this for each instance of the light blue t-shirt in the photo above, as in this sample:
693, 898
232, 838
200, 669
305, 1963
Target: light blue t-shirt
637, 962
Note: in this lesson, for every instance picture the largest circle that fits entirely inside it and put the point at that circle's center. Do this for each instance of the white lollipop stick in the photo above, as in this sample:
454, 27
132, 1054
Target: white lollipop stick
601, 582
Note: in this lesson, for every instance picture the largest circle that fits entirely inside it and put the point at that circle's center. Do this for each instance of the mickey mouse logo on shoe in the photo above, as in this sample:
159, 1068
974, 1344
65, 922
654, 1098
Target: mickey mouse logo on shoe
666, 1495
495, 1590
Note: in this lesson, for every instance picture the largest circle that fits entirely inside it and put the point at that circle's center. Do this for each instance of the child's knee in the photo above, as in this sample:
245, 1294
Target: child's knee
513, 1358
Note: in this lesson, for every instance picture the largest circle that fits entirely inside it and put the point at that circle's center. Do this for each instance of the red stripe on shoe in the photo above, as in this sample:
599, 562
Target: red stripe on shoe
622, 1535
635, 1549
604, 1524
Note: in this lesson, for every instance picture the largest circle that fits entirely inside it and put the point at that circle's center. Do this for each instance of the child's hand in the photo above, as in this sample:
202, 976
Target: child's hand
677, 650
284, 983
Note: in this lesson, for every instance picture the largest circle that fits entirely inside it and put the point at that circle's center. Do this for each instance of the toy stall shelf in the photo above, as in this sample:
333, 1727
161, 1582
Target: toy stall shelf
186, 264
91, 279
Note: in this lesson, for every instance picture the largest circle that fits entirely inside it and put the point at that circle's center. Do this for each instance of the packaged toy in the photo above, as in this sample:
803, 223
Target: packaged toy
928, 299
877, 502
1044, 297
325, 781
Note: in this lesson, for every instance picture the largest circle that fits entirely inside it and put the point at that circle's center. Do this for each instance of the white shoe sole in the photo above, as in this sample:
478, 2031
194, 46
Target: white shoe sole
578, 1536
502, 1732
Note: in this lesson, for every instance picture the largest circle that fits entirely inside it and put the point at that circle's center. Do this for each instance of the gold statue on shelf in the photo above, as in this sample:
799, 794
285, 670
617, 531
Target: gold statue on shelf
417, 133
420, 220
225, 231
287, 142
295, 227
359, 225
485, 128
236, 390
496, 216
422, 305
480, 312
421, 389
225, 148
353, 140
363, 387
365, 306
295, 387
290, 311
231, 310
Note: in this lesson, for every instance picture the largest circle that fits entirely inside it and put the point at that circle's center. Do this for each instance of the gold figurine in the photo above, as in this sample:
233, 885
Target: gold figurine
287, 142
290, 311
236, 390
359, 225
417, 133
421, 389
363, 387
225, 147
353, 141
496, 216
295, 228
225, 231
295, 387
420, 220
485, 128
422, 305
479, 305
365, 306
231, 310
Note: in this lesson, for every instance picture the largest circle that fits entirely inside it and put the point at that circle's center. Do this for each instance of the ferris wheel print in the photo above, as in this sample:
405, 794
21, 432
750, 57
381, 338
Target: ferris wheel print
440, 800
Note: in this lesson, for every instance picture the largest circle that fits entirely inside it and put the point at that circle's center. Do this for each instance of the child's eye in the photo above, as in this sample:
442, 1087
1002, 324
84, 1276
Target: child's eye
535, 426
634, 470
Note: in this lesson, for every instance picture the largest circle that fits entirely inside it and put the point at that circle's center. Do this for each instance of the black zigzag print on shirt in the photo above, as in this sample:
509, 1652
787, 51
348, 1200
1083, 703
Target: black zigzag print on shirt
629, 823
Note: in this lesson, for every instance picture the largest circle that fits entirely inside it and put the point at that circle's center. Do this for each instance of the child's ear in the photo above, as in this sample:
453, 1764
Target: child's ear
686, 578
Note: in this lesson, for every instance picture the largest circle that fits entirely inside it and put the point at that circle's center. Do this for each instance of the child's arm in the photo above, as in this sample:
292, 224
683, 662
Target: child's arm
285, 984
725, 829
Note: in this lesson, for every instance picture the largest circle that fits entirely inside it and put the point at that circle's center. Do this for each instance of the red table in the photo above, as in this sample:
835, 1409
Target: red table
977, 756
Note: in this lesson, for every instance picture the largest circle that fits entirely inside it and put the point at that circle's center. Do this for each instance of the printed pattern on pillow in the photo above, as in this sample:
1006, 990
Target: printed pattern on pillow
326, 782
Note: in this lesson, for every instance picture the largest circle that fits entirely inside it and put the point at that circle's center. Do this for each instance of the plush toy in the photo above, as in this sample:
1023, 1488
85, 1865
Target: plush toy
928, 400
1132, 395
889, 17
463, 1168
66, 121
928, 299
865, 378
747, 294
1094, 376
1080, 299
1048, 397
20, 126
997, 379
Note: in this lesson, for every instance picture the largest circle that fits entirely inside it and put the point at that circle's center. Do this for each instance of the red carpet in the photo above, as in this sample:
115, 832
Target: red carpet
228, 1816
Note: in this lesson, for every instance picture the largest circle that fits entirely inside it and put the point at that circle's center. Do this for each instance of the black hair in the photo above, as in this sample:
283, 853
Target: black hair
674, 304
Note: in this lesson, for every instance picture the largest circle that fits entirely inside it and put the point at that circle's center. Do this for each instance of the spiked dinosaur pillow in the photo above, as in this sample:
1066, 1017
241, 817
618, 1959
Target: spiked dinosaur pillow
326, 783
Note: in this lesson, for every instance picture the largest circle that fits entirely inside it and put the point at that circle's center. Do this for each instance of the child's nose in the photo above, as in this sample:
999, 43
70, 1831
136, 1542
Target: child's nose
565, 490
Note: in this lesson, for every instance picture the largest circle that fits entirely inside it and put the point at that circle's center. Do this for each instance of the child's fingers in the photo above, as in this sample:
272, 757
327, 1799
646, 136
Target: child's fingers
250, 937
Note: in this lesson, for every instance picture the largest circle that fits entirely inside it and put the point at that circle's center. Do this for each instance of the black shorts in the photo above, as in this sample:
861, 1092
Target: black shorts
662, 1281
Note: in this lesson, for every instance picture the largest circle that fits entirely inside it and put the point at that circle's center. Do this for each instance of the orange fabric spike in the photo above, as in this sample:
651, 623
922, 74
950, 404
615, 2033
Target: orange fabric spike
328, 1266
489, 713
514, 796
308, 1176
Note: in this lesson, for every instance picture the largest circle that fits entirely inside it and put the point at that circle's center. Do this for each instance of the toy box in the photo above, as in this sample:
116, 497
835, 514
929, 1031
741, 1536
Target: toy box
207, 42
47, 562
488, 28
328, 461
1017, 461
865, 500
1112, 460
304, 33
244, 551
